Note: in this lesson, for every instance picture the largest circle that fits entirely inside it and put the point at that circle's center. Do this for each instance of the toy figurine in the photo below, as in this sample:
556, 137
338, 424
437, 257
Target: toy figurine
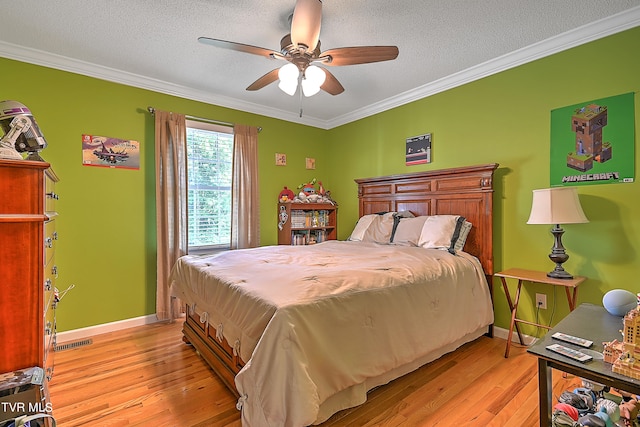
308, 187
286, 195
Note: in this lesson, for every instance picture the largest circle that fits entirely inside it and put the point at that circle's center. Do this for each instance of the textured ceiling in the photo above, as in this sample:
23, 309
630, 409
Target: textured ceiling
153, 44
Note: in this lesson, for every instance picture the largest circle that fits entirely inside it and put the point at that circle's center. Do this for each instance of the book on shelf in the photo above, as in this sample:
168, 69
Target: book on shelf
309, 219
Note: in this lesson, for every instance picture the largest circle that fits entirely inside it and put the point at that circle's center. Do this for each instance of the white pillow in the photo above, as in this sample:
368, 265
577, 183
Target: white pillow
361, 226
444, 232
380, 229
408, 231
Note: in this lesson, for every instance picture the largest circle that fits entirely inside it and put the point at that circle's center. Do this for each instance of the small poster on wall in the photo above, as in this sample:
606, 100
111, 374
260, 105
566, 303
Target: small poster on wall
418, 149
109, 152
593, 142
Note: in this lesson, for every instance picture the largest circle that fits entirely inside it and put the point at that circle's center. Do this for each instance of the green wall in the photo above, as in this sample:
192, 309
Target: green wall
107, 245
505, 118
107, 216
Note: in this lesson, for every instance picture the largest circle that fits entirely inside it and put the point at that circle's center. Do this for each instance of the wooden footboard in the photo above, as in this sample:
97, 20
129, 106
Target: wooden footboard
218, 354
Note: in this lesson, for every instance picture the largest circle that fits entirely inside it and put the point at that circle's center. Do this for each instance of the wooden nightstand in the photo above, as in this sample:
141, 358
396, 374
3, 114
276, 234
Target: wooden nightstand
570, 287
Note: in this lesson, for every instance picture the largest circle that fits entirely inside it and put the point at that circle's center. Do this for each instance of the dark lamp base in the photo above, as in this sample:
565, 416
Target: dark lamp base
558, 255
559, 274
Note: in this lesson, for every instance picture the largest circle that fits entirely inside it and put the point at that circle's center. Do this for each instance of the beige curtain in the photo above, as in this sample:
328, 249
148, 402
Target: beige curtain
245, 191
171, 204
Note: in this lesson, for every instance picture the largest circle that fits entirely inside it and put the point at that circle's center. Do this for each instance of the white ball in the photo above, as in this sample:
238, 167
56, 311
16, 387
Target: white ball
619, 302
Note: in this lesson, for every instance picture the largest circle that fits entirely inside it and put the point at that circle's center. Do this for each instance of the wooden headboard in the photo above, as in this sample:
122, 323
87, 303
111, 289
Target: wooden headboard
466, 191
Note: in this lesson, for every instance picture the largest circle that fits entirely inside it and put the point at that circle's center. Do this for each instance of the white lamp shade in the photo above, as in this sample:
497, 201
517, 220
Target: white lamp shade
288, 75
314, 77
559, 205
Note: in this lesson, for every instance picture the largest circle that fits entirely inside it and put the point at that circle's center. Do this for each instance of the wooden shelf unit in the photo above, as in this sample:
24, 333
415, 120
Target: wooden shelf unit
307, 223
27, 267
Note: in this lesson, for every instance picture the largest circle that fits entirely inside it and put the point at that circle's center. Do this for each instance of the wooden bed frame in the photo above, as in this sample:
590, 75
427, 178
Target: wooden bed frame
466, 191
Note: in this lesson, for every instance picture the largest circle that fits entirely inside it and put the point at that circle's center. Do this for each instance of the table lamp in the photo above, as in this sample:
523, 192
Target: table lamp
559, 205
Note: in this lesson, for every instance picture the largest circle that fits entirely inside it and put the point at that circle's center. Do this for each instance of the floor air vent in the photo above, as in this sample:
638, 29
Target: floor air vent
75, 344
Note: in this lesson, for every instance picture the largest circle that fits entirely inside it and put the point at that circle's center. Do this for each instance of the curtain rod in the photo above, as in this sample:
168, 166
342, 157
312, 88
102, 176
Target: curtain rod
152, 110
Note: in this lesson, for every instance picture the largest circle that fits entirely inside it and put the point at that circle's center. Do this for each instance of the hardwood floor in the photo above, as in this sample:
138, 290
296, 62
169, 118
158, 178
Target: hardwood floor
147, 376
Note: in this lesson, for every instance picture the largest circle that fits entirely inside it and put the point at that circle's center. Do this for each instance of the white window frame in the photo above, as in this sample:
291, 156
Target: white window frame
212, 127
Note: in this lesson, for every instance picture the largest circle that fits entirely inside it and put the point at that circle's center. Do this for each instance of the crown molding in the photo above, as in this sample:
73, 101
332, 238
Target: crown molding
576, 37
63, 63
584, 34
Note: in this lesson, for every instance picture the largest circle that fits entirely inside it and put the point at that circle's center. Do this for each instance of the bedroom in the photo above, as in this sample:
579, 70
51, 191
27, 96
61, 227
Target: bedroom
67, 105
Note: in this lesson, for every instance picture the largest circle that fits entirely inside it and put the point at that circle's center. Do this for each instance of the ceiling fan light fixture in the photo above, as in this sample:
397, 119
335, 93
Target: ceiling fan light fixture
288, 87
312, 80
288, 75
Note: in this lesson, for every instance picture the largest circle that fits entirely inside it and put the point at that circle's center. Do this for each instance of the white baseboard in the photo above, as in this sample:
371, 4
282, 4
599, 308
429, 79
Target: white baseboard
504, 333
90, 331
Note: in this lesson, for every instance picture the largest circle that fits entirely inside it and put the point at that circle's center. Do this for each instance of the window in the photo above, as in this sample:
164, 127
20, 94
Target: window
209, 174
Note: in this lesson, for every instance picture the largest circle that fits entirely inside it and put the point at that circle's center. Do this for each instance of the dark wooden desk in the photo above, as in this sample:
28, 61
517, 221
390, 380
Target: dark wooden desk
588, 321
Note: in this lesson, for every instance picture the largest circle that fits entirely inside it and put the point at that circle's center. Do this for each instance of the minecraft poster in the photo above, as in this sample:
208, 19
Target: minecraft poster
593, 142
110, 152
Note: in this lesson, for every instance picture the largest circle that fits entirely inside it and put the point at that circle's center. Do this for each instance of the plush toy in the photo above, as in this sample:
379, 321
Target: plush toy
567, 409
308, 187
629, 412
286, 195
610, 407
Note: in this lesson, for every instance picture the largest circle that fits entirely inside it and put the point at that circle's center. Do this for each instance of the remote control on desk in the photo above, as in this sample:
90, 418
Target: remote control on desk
572, 340
569, 352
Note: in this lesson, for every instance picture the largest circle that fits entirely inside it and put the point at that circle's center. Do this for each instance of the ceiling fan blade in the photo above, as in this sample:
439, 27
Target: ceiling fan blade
305, 25
358, 55
239, 47
331, 85
263, 81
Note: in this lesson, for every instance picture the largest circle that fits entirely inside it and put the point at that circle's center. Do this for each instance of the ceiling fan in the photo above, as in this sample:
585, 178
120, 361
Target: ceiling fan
301, 50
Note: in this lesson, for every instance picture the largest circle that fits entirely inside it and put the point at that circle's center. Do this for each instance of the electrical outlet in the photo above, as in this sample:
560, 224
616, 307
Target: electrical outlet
541, 301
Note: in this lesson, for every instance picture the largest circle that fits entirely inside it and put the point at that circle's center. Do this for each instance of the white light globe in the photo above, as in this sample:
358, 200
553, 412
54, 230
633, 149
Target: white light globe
288, 87
288, 75
314, 77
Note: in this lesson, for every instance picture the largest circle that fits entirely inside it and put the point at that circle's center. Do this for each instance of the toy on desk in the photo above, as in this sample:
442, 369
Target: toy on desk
626, 357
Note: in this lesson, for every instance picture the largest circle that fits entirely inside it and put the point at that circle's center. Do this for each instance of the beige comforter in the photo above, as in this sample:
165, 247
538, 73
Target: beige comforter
320, 325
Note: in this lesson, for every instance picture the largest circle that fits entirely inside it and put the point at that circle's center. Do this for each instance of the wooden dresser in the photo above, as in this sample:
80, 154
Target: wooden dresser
27, 266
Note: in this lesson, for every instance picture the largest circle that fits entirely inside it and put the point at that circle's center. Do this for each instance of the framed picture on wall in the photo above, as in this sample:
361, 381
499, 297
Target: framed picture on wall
418, 150
108, 152
281, 159
593, 142
310, 163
